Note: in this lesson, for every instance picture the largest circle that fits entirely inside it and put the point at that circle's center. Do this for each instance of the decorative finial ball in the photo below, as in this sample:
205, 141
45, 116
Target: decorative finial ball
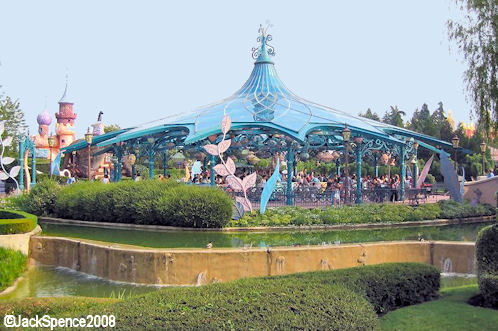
44, 118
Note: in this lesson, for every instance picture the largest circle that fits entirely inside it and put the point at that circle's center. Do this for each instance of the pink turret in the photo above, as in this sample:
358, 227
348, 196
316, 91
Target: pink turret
65, 121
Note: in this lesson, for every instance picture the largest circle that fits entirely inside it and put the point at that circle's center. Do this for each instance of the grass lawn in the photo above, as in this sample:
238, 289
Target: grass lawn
450, 312
12, 265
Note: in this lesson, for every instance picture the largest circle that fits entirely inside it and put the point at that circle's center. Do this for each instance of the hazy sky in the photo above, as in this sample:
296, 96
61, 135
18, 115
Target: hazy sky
142, 60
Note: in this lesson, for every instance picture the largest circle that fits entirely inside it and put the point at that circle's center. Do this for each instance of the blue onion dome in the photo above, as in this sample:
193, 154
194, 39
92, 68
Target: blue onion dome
44, 118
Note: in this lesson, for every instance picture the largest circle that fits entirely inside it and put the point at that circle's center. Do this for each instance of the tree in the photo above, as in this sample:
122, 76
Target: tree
444, 131
394, 116
15, 124
371, 115
475, 37
423, 123
112, 127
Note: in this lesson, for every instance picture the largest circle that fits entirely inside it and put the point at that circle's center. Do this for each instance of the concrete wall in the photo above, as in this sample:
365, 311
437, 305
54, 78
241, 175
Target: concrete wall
201, 266
19, 242
482, 190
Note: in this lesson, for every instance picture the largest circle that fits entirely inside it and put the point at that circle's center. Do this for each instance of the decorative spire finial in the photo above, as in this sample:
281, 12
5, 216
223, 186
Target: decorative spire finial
263, 52
64, 98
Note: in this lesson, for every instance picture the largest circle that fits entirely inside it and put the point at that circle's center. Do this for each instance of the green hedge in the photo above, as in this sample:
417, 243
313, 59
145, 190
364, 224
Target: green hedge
359, 214
326, 300
453, 209
14, 221
12, 265
40, 200
487, 263
143, 202
248, 305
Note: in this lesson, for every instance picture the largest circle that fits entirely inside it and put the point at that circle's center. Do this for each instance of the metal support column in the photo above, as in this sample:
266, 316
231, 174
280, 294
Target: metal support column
119, 166
21, 164
33, 166
415, 174
359, 199
376, 160
290, 161
165, 162
338, 167
213, 160
133, 171
151, 163
403, 174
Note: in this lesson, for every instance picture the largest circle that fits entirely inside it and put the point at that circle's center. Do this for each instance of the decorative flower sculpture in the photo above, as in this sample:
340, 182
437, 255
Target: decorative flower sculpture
227, 166
14, 171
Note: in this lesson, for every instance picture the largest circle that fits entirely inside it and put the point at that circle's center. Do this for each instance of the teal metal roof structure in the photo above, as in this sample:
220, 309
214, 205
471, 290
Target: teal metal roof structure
264, 106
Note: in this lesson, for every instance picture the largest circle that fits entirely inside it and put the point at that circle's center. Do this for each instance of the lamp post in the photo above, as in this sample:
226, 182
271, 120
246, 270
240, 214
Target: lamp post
89, 139
455, 140
483, 151
51, 143
346, 134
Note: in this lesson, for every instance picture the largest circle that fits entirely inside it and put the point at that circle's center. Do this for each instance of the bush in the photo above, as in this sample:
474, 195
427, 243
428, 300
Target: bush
360, 214
453, 209
40, 200
251, 304
487, 263
12, 265
194, 206
386, 286
143, 202
323, 300
488, 284
13, 221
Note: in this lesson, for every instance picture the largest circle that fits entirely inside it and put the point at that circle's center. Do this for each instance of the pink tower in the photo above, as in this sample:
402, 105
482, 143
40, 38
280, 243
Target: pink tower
65, 121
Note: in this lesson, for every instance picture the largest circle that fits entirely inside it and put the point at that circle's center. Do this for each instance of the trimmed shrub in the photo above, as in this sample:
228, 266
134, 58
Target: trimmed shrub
248, 305
487, 263
12, 265
386, 286
194, 206
144, 202
360, 214
13, 221
453, 209
323, 300
40, 200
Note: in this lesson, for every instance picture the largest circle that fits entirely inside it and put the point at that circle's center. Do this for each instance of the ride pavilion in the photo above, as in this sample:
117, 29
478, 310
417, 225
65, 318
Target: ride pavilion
267, 118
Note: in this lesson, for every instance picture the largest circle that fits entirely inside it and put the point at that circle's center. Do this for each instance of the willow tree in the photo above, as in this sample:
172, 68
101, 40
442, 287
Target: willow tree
475, 35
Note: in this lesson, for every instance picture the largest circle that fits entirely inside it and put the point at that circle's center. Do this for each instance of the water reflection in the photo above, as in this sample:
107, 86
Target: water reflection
199, 239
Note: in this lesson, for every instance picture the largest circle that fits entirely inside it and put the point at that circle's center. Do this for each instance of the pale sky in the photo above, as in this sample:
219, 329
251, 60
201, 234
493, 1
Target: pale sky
143, 60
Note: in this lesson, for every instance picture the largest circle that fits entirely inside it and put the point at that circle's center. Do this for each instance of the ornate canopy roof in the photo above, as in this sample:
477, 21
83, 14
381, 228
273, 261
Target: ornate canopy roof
265, 106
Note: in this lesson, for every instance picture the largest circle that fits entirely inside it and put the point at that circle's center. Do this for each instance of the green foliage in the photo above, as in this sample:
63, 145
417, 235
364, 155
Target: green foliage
325, 300
143, 202
12, 265
386, 286
13, 221
194, 206
111, 127
370, 115
487, 263
258, 304
366, 213
453, 209
40, 200
475, 37
15, 124
394, 116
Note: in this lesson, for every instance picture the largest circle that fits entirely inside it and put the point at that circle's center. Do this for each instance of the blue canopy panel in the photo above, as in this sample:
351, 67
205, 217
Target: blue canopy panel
79, 144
